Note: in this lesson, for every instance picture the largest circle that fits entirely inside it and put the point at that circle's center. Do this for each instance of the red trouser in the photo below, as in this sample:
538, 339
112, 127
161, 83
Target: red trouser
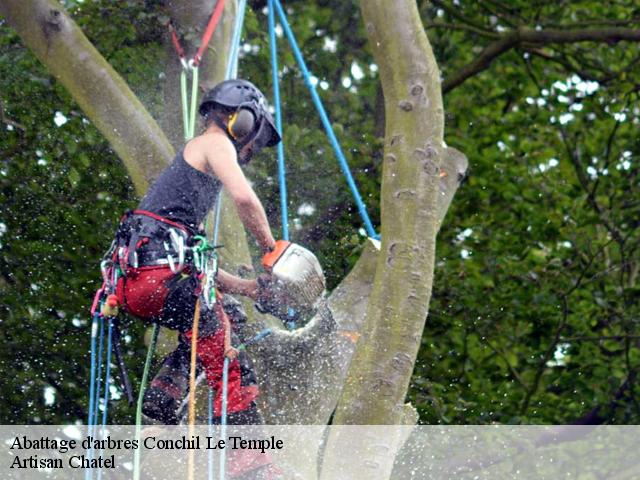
157, 294
241, 387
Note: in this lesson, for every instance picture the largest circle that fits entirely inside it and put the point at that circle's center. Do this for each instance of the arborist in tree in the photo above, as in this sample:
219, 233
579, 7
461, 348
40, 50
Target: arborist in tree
159, 281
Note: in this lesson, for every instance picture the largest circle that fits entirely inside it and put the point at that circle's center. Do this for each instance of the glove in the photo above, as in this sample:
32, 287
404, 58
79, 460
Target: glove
267, 301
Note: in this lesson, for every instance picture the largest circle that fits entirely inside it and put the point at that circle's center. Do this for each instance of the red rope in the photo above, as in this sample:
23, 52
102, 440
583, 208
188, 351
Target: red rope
175, 40
206, 38
208, 33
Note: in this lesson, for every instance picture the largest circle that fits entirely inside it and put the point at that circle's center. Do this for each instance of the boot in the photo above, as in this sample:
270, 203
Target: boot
169, 387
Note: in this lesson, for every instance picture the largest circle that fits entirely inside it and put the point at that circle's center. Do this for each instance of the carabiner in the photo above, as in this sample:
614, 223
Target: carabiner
104, 269
210, 270
177, 241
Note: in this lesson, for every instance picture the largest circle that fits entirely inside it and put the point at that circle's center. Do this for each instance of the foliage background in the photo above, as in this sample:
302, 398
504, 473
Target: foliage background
534, 314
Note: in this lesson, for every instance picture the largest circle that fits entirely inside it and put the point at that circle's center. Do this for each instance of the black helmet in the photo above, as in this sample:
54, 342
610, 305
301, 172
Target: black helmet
241, 95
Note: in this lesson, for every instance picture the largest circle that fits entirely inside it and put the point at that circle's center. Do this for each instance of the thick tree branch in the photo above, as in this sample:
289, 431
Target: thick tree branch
453, 171
523, 35
102, 94
413, 154
417, 170
462, 27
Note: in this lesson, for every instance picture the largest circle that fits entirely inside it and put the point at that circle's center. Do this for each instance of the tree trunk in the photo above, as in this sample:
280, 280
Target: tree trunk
412, 187
378, 381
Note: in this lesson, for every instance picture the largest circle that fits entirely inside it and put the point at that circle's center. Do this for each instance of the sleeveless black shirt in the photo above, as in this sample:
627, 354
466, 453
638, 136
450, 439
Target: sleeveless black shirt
182, 193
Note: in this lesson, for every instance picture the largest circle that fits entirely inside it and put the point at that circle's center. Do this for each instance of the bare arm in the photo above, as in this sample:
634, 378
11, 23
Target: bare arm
228, 283
222, 159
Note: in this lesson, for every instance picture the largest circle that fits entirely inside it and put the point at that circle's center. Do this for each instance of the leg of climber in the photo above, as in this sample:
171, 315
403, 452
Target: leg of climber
242, 390
170, 386
242, 386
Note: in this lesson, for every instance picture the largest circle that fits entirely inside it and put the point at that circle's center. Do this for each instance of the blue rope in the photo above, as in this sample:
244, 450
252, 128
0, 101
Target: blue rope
98, 375
257, 338
232, 64
107, 374
106, 385
97, 380
210, 422
223, 416
92, 380
216, 224
276, 104
325, 121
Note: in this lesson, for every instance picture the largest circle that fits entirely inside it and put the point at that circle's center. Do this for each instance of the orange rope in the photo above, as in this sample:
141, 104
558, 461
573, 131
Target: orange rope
222, 316
192, 386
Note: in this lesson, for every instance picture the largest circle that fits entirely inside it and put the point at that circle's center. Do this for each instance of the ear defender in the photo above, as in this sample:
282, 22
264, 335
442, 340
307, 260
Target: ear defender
241, 123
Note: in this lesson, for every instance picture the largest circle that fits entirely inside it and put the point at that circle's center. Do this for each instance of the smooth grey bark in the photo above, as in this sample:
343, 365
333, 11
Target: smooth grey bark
414, 153
418, 171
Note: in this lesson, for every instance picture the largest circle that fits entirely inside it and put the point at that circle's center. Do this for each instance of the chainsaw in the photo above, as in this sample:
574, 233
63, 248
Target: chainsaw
296, 285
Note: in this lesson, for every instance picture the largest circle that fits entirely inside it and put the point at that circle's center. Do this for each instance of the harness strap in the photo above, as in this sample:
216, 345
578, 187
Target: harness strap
153, 240
132, 256
162, 219
175, 40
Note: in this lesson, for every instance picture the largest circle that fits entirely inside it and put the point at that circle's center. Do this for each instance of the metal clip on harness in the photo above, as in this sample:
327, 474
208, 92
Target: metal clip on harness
206, 261
177, 243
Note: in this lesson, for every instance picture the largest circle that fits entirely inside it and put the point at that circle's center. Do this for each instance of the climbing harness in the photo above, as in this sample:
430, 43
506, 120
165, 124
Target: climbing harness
206, 261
